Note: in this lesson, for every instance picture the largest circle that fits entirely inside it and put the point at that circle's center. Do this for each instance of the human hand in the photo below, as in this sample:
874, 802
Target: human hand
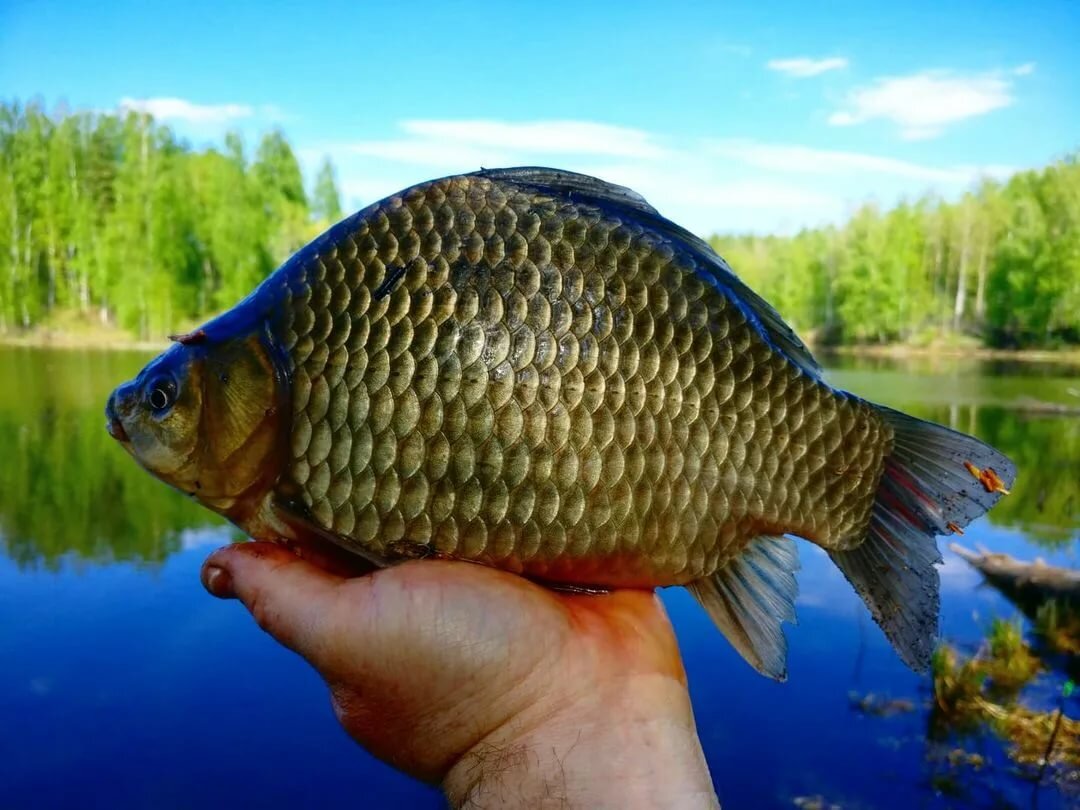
505, 692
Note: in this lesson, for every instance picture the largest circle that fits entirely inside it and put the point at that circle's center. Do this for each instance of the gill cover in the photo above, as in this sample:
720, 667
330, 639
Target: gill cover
241, 429
209, 417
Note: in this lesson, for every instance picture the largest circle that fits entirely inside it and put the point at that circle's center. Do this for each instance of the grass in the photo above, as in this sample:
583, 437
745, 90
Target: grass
1004, 665
1070, 354
957, 688
70, 328
73, 330
1010, 664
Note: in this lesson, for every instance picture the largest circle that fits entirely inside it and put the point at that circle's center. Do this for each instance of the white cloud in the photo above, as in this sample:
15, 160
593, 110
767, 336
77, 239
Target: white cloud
433, 153
706, 197
920, 133
545, 137
468, 144
191, 539
734, 48
1025, 69
803, 68
956, 575
792, 158
768, 195
995, 171
923, 104
178, 109
705, 185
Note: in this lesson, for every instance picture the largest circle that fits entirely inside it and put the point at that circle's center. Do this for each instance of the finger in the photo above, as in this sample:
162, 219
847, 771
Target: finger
288, 596
329, 557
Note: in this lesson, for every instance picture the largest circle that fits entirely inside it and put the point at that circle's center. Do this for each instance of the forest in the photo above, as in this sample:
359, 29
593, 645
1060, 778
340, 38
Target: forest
110, 218
1000, 267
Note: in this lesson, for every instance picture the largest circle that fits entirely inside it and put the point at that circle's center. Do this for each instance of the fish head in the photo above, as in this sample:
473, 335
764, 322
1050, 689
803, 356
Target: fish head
206, 418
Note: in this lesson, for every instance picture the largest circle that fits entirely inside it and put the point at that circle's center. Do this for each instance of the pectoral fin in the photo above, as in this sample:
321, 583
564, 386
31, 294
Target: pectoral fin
299, 527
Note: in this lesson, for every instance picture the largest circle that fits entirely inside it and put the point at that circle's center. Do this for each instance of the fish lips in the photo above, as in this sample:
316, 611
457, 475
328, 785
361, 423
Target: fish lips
113, 425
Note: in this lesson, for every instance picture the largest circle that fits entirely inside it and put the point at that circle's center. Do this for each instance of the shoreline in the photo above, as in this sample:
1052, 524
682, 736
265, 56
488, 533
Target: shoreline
67, 340
900, 351
105, 341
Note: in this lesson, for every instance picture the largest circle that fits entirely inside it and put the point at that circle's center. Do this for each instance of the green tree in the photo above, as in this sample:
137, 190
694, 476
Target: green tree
110, 216
1002, 264
280, 188
325, 200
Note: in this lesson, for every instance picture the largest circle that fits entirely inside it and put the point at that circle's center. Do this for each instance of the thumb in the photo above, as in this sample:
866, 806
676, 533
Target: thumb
288, 597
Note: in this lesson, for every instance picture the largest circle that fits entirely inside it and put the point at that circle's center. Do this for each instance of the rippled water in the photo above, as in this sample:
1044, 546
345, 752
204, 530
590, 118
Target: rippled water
123, 684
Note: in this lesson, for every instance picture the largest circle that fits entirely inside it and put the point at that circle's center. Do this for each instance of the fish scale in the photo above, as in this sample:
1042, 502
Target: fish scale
535, 370
553, 389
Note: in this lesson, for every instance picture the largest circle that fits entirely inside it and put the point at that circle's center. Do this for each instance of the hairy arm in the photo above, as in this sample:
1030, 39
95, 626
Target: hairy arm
637, 750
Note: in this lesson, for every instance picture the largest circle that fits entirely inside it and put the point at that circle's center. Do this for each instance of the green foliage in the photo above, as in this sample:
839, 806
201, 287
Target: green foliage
280, 188
1010, 663
326, 202
1057, 623
1047, 452
111, 216
68, 491
1001, 265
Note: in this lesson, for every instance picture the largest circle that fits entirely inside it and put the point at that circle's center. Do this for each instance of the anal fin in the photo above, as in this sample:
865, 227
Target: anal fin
750, 597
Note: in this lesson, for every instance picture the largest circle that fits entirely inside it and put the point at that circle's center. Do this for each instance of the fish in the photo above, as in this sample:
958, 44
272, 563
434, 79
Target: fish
534, 370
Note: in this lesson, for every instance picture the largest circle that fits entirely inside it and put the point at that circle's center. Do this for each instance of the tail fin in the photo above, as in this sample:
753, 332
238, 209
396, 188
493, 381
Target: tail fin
936, 481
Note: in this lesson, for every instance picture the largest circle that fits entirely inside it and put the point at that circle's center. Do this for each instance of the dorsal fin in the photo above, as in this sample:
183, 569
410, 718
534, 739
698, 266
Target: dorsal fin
578, 187
621, 200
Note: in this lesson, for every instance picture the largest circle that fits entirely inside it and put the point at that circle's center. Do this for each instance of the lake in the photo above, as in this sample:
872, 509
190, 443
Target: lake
122, 684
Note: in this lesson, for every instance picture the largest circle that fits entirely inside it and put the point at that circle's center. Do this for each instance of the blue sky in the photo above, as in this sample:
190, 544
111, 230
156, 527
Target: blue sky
727, 116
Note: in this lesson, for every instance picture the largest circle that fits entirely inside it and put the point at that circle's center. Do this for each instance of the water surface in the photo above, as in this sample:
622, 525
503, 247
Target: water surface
122, 684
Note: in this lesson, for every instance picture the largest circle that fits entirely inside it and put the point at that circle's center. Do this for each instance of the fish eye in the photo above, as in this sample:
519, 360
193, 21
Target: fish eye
161, 394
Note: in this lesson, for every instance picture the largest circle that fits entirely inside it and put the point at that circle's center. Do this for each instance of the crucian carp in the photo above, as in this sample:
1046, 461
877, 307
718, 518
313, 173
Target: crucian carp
534, 370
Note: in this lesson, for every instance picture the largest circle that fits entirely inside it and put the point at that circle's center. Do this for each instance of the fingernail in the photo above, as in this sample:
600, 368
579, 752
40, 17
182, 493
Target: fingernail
218, 582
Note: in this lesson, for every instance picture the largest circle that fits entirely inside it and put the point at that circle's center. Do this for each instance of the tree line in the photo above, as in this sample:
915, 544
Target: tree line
1000, 266
112, 217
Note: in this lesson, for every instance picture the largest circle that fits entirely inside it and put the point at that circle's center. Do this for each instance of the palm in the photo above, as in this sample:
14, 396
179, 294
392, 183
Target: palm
428, 659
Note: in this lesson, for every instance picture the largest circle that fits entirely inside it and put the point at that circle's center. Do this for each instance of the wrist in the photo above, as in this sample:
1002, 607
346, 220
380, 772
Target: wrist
631, 743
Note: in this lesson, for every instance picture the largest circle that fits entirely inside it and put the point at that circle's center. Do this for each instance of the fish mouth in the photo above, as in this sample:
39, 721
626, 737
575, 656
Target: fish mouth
112, 422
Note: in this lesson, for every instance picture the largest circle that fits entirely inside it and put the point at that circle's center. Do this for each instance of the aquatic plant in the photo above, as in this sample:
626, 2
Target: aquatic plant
1010, 663
1059, 626
977, 693
1033, 743
957, 688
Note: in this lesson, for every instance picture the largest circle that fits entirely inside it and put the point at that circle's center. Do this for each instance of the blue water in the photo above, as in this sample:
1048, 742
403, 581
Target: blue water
122, 684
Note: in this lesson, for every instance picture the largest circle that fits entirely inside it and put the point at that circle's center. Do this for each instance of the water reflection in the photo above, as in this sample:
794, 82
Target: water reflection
1028, 411
95, 647
67, 490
